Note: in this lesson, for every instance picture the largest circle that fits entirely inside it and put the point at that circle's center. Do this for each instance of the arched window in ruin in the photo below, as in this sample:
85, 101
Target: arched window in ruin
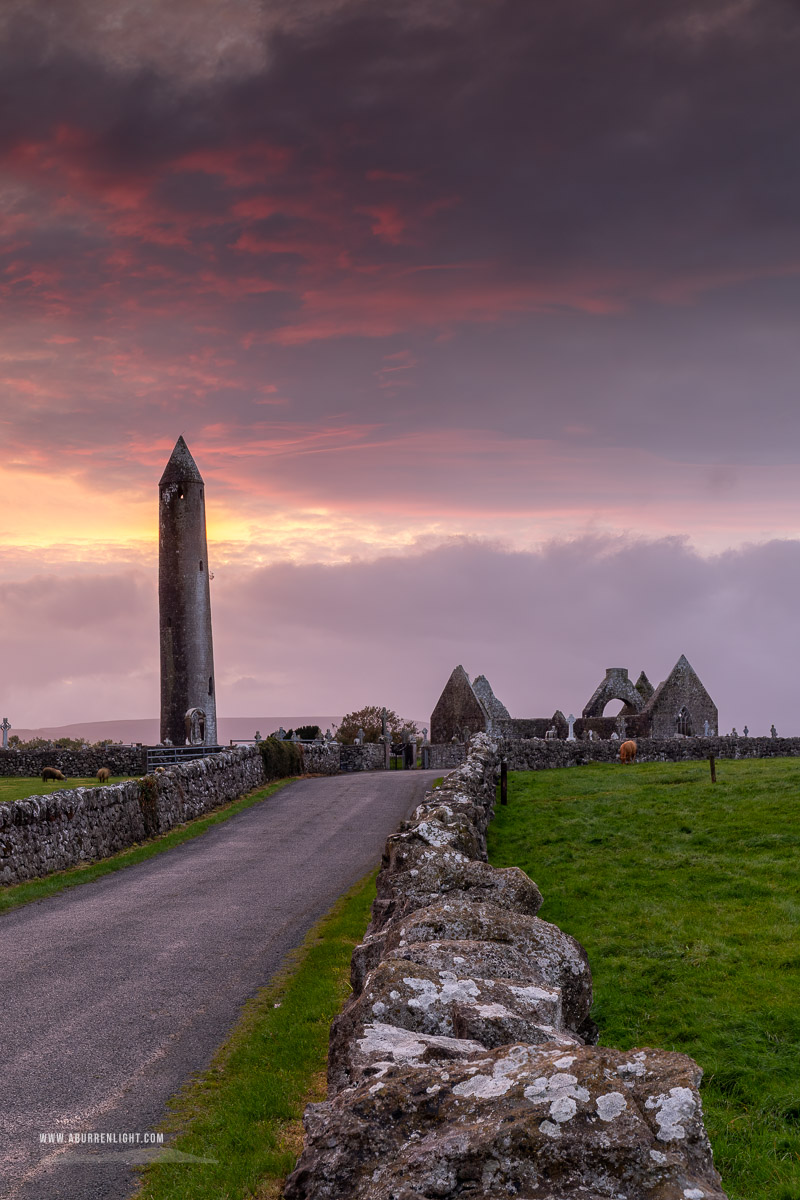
683, 723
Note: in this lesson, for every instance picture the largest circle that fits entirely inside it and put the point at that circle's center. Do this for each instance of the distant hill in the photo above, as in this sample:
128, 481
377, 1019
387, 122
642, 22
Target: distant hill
146, 729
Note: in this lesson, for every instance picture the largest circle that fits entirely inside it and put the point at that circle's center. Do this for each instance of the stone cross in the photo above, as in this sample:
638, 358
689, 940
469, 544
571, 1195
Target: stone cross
383, 723
424, 734
705, 727
773, 731
5, 728
258, 737
746, 731
571, 734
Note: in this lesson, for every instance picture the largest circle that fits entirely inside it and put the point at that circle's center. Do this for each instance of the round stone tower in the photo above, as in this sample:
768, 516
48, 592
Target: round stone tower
188, 687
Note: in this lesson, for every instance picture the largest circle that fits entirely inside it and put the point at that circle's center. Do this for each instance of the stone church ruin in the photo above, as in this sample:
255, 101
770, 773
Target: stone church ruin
679, 707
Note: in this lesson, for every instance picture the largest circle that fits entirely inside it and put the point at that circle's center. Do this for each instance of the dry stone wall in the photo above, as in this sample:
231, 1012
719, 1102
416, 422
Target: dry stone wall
322, 759
370, 757
537, 754
68, 827
462, 1063
75, 764
331, 758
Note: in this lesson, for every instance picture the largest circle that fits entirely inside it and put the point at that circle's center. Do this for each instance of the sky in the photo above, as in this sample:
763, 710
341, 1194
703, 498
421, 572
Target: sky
479, 318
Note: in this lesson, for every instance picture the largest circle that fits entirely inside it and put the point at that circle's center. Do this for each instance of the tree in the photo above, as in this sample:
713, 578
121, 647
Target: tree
369, 719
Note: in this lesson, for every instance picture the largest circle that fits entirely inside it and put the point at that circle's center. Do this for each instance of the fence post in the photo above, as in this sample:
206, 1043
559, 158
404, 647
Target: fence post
503, 782
713, 765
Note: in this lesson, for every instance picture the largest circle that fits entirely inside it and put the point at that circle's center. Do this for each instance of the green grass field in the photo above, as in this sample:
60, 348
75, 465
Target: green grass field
15, 788
686, 895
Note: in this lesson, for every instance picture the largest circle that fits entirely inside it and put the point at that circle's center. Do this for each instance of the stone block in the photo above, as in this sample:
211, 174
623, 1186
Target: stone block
453, 1004
536, 1122
558, 958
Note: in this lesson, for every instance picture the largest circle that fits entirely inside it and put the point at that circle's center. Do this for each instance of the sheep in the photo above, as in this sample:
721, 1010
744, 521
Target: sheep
627, 752
52, 773
103, 775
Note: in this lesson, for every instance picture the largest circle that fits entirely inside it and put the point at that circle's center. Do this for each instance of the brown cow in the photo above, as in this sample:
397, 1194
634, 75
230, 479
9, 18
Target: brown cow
52, 773
627, 752
104, 775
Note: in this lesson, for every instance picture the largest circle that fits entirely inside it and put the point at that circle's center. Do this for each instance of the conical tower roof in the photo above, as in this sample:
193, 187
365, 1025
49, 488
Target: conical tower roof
181, 467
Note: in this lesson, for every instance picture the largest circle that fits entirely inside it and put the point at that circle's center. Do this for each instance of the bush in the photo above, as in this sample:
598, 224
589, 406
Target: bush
281, 758
307, 733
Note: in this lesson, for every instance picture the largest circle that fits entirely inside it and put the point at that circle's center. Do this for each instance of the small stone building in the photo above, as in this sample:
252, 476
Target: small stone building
678, 707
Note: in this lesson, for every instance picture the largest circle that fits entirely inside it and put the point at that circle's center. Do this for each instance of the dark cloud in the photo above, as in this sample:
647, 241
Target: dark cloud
479, 241
542, 626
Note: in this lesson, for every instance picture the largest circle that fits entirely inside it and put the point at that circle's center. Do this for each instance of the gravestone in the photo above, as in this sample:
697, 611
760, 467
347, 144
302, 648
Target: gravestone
571, 734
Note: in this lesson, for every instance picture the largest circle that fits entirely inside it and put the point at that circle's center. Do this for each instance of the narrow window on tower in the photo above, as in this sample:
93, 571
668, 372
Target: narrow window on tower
180, 491
201, 564
211, 685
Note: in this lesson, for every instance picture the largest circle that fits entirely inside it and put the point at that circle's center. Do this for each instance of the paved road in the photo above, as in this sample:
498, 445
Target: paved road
113, 993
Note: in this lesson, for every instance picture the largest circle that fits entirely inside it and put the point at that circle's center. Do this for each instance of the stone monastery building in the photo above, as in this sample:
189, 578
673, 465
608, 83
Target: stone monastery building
678, 707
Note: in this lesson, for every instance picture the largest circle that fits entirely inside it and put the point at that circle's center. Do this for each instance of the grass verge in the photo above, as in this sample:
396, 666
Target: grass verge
244, 1113
14, 895
687, 898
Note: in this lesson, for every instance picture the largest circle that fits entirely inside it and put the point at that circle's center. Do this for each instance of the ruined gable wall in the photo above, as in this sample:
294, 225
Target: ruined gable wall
458, 710
682, 687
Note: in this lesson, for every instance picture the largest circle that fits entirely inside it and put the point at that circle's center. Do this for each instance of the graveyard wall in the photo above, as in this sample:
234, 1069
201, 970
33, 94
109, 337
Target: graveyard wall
75, 764
462, 1062
536, 754
332, 758
322, 760
66, 828
371, 757
446, 756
